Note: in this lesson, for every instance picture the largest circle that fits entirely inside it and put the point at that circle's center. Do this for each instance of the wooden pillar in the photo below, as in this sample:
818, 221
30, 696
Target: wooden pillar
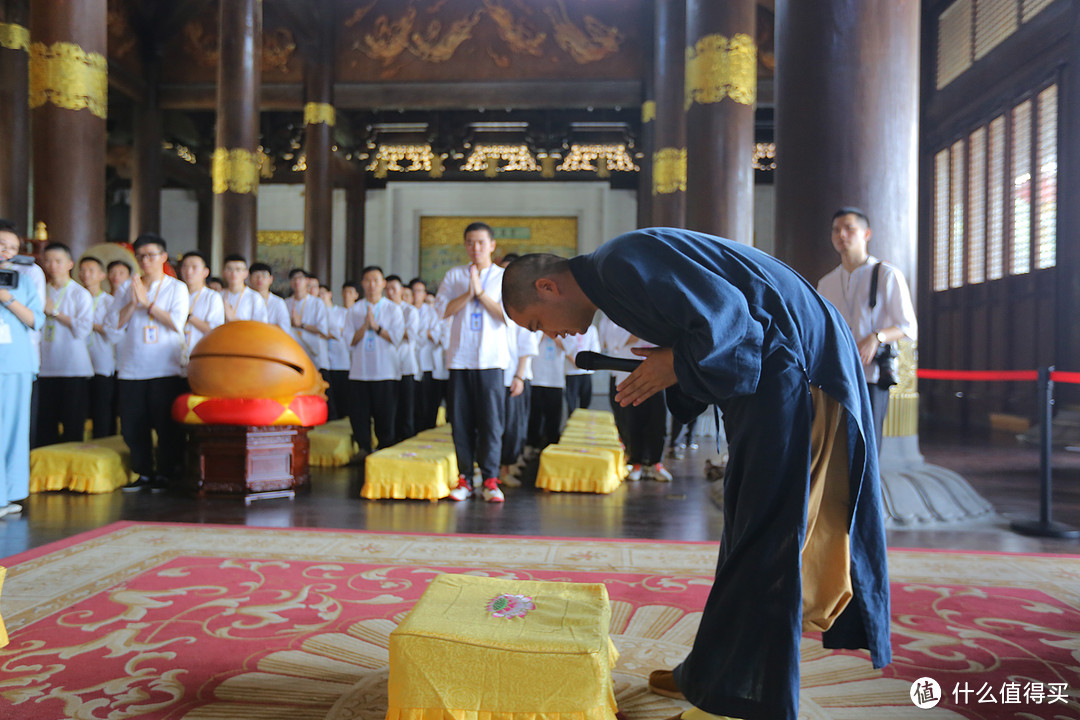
646, 146
1067, 287
669, 156
15, 113
721, 88
235, 168
147, 174
355, 195
319, 118
68, 103
205, 221
847, 117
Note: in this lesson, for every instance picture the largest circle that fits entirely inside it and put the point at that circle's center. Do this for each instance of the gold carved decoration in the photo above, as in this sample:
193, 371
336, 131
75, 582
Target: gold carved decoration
595, 42
14, 37
648, 111
518, 34
69, 77
669, 171
902, 417
430, 47
316, 113
717, 68
280, 237
235, 170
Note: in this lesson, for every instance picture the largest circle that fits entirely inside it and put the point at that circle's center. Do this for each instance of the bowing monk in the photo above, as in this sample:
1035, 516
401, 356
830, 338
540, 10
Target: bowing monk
803, 546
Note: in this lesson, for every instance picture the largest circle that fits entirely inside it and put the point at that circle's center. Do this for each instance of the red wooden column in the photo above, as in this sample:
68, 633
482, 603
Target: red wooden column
235, 168
720, 91
669, 135
147, 167
14, 113
68, 104
319, 119
847, 118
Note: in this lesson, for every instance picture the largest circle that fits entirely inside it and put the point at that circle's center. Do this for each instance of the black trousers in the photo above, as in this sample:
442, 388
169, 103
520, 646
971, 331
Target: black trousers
477, 404
405, 421
516, 425
578, 392
146, 405
372, 400
545, 416
64, 400
641, 428
337, 395
425, 404
103, 405
440, 395
677, 428
879, 405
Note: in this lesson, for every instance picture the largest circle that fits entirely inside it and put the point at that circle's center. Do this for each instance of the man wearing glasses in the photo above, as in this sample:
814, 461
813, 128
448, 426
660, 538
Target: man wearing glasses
147, 323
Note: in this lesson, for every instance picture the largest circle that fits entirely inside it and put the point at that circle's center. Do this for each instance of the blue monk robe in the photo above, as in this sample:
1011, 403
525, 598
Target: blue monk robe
751, 336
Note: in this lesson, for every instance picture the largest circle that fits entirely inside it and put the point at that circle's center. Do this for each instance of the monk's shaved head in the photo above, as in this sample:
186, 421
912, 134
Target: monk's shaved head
519, 280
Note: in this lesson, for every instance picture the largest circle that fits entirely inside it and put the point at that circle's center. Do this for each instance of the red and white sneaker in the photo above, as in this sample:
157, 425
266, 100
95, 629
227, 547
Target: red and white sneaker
634, 474
491, 491
463, 491
660, 473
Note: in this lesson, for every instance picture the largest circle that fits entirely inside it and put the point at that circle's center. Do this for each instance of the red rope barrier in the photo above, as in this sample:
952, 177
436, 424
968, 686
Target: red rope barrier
1065, 377
927, 374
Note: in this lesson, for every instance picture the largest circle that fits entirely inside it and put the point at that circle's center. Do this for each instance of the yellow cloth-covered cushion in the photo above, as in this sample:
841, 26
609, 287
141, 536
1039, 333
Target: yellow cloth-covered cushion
332, 444
514, 649
578, 469
592, 416
410, 470
98, 466
3, 630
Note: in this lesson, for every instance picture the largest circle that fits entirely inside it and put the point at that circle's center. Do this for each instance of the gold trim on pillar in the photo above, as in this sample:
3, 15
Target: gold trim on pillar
902, 418
648, 111
68, 77
717, 68
14, 37
316, 113
235, 170
669, 170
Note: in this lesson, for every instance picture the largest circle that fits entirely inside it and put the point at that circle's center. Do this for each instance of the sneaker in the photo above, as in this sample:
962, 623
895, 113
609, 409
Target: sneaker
142, 483
509, 478
10, 509
693, 445
492, 493
463, 491
660, 473
634, 474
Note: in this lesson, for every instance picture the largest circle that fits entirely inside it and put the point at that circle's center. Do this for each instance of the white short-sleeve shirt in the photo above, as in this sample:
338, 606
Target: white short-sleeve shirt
522, 343
375, 358
144, 348
548, 369
277, 313
615, 341
207, 306
63, 349
477, 340
248, 303
338, 347
101, 348
573, 344
313, 314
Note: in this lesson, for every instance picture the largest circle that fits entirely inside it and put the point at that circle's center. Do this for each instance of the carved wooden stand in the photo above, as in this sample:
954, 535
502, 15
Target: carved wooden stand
251, 461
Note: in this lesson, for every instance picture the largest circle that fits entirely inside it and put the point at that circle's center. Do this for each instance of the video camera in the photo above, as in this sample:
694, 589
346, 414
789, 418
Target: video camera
9, 277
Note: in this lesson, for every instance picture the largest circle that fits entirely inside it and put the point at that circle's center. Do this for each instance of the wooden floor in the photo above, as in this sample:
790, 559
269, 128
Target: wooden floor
1005, 473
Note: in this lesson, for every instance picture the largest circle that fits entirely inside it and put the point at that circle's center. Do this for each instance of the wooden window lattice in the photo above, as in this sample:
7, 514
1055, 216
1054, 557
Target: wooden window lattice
941, 221
1046, 179
1020, 190
976, 249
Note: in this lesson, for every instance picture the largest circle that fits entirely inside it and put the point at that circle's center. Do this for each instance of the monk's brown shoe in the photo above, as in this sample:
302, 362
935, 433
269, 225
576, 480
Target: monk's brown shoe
662, 682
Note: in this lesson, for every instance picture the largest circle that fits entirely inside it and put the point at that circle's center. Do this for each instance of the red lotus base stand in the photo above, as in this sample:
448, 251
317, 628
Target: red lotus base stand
249, 461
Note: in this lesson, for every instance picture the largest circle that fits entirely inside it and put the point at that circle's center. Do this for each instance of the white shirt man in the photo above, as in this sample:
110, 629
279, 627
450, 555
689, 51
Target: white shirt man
308, 320
405, 422
102, 351
261, 278
147, 322
848, 288
337, 355
548, 384
374, 328
517, 381
206, 309
241, 302
65, 360
471, 295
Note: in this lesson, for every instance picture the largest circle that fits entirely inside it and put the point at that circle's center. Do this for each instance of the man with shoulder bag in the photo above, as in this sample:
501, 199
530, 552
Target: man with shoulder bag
874, 300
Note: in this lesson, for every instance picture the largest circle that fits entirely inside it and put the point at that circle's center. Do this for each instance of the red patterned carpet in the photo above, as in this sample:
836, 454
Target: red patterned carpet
202, 621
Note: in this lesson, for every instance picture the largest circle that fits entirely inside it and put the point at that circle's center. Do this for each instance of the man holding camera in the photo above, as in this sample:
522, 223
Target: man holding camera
874, 299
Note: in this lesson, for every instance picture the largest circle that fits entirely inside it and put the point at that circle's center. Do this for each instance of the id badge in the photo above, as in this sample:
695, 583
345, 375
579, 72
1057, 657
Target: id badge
50, 331
369, 341
549, 350
150, 334
476, 320
187, 337
5, 333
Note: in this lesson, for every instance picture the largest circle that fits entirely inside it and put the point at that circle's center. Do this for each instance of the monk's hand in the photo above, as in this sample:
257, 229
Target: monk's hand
656, 373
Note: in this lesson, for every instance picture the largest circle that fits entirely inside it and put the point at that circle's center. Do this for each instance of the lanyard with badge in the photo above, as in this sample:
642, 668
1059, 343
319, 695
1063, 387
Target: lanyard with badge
92, 337
476, 317
50, 322
370, 335
188, 329
150, 332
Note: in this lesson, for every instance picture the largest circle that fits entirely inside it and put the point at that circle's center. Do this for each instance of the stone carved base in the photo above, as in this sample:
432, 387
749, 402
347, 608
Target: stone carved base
920, 495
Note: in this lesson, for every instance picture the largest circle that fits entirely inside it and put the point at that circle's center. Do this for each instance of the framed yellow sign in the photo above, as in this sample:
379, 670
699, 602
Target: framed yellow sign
442, 240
